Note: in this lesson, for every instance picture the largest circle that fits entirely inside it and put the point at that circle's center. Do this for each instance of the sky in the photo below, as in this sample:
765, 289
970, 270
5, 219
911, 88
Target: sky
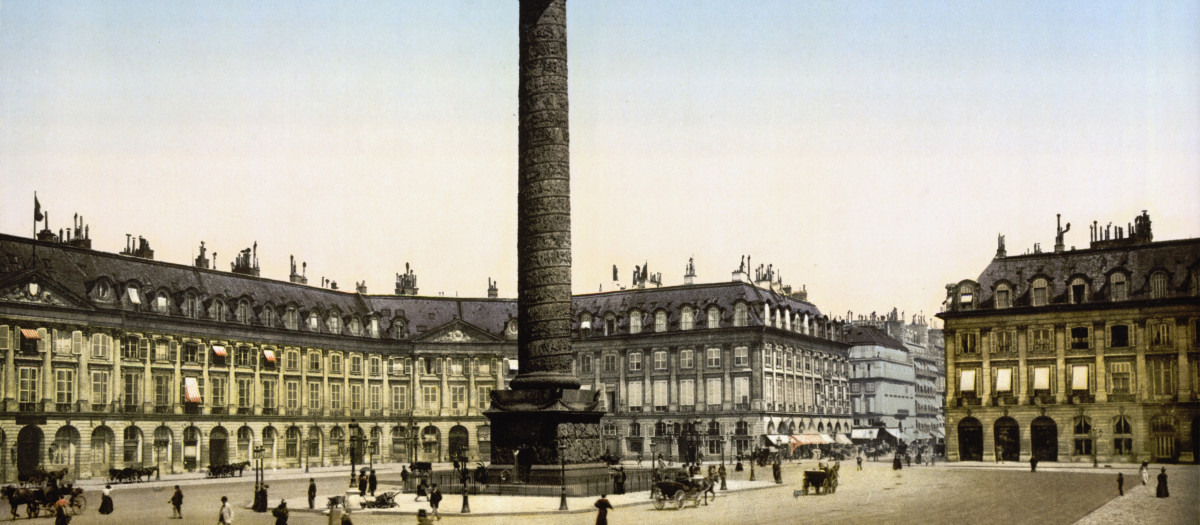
870, 151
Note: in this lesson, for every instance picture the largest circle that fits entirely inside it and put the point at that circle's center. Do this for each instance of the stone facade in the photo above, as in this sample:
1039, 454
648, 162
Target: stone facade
1077, 355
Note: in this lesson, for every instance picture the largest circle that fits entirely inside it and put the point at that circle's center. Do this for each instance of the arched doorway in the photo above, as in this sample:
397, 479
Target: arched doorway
1044, 439
29, 450
375, 444
191, 448
103, 439
66, 449
431, 444
1165, 442
970, 440
316, 445
458, 444
400, 439
268, 443
1008, 439
337, 445
132, 450
245, 441
218, 447
164, 456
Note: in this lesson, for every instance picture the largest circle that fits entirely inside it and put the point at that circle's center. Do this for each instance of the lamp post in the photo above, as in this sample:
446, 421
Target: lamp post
353, 426
260, 481
723, 487
562, 456
308, 443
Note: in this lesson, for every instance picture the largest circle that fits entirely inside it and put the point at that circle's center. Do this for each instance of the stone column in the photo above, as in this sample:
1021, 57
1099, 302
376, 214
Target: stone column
543, 201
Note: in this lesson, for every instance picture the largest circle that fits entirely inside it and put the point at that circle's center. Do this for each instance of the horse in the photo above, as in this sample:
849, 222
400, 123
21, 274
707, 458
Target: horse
32, 499
145, 471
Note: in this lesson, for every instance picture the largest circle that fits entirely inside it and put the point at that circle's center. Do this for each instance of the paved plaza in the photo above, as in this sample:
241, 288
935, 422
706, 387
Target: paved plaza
967, 493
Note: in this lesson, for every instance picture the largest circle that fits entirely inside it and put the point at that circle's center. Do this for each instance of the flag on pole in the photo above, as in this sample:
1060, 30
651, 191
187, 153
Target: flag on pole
37, 209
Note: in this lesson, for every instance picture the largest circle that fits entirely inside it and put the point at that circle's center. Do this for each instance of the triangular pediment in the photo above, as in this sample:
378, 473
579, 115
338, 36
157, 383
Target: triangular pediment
36, 287
457, 331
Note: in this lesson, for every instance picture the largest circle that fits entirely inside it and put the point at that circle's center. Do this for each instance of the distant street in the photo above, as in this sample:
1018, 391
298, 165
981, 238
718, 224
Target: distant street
876, 495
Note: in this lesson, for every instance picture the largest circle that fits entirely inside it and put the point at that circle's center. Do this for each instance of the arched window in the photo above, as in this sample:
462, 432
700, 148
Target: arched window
191, 306
268, 317
291, 318
660, 321
714, 317
1003, 296
1041, 292
356, 328
740, 314
314, 322
161, 303
610, 324
687, 318
1083, 436
1158, 285
216, 310
373, 328
635, 322
334, 323
585, 324
966, 297
243, 312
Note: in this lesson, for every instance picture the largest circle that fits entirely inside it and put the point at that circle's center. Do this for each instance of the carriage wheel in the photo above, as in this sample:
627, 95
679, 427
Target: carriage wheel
679, 500
78, 504
833, 488
659, 501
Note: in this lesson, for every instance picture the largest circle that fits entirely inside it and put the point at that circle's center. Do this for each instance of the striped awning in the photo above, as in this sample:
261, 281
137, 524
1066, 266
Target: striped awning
270, 355
30, 334
191, 390
219, 350
808, 439
843, 439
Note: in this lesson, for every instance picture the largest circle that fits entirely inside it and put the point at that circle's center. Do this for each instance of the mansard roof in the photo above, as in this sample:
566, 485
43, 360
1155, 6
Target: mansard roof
699, 296
871, 336
1177, 258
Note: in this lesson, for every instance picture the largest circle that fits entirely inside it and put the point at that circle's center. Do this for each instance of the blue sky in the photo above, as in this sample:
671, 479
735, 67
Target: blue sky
869, 150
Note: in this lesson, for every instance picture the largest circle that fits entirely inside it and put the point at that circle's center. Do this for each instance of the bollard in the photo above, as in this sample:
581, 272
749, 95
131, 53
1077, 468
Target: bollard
466, 508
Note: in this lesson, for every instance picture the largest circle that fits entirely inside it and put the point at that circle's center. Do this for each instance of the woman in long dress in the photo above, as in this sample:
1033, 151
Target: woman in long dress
106, 503
1145, 472
1161, 491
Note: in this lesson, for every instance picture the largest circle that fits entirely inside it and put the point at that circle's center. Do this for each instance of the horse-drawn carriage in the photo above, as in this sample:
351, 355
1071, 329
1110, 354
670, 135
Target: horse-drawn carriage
43, 497
825, 478
130, 474
677, 487
383, 500
228, 470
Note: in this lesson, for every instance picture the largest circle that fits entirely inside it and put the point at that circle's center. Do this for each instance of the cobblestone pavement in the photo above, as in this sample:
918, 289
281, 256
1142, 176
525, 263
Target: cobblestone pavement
925, 495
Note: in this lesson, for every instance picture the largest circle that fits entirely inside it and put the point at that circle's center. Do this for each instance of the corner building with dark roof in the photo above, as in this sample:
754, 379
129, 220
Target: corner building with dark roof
118, 360
1088, 355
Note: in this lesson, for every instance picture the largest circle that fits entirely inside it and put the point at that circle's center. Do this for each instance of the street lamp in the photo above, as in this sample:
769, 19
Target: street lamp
260, 481
562, 456
308, 444
353, 426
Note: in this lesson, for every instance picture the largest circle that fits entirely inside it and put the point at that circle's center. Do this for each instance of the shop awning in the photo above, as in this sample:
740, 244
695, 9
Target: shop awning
219, 350
270, 355
827, 438
864, 433
937, 434
808, 439
30, 334
775, 440
843, 439
191, 390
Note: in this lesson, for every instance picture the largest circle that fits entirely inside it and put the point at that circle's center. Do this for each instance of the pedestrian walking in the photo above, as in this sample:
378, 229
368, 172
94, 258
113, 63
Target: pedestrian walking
777, 471
1033, 463
721, 473
60, 511
372, 482
421, 492
106, 502
403, 478
362, 484
281, 513
435, 499
602, 508
639, 459
176, 502
1120, 484
1161, 491
1145, 473
859, 458
225, 516
423, 517
312, 492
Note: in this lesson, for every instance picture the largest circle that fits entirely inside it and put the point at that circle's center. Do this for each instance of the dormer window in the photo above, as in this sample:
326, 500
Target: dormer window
355, 327
714, 317
243, 313
314, 322
966, 297
687, 318
217, 310
134, 296
740, 313
585, 324
102, 290
160, 303
1079, 290
1041, 292
660, 321
1118, 287
334, 323
373, 328
1003, 296
191, 306
1158, 285
635, 322
610, 324
291, 318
